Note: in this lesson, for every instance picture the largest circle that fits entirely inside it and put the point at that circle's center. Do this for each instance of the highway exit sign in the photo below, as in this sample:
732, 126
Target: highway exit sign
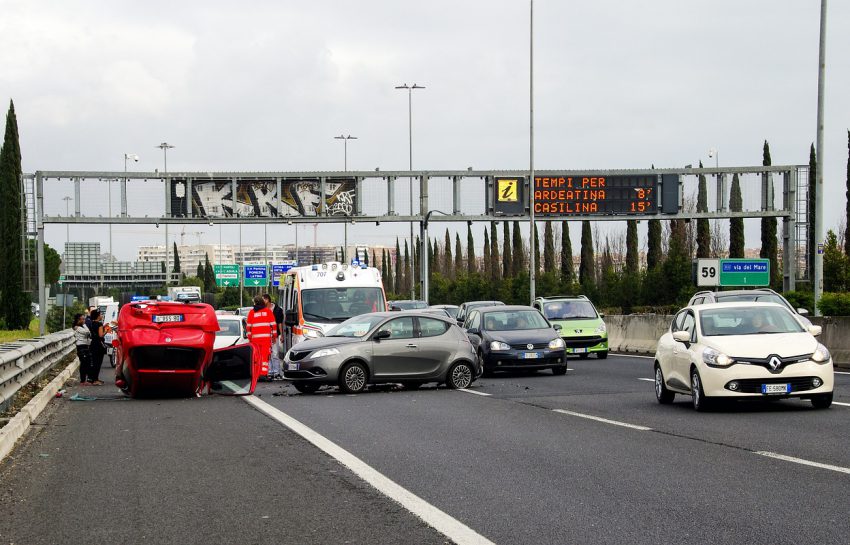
744, 272
226, 275
256, 276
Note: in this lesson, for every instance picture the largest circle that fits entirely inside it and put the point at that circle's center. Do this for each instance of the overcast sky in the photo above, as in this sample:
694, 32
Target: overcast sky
265, 85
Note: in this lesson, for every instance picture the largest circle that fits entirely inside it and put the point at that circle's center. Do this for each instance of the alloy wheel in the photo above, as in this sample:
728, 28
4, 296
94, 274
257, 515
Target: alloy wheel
355, 378
461, 376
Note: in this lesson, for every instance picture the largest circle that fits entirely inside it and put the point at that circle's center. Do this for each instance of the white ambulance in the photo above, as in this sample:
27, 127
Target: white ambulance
316, 298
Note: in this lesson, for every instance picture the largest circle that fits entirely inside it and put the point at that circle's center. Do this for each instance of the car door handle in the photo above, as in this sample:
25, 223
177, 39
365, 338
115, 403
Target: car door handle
411, 345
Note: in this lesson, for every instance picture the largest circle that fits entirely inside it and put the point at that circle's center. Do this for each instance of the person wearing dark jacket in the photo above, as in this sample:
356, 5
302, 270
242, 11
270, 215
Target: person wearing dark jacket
275, 370
98, 347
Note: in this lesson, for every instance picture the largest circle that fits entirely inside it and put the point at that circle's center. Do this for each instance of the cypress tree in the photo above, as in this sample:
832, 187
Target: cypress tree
385, 277
458, 256
200, 271
567, 271
398, 281
535, 249
847, 206
548, 248
811, 244
433, 262
632, 261
587, 267
769, 242
176, 260
653, 244
14, 303
417, 269
406, 284
703, 228
518, 262
447, 256
676, 279
507, 259
495, 257
471, 265
488, 264
209, 276
736, 225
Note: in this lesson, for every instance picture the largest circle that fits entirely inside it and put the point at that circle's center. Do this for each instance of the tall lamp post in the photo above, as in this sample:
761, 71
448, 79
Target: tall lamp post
818, 238
533, 265
410, 89
345, 140
133, 157
165, 146
67, 200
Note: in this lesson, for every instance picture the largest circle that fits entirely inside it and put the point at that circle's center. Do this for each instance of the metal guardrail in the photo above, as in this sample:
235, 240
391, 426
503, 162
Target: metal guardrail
23, 361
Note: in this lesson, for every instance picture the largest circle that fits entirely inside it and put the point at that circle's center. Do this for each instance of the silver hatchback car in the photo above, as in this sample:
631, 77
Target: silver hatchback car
410, 348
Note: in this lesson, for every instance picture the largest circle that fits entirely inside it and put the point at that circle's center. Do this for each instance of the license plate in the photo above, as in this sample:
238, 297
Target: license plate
167, 318
530, 355
292, 366
579, 350
775, 388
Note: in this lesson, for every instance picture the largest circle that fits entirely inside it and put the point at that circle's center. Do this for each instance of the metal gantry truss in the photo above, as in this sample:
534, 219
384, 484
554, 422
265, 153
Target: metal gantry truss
789, 209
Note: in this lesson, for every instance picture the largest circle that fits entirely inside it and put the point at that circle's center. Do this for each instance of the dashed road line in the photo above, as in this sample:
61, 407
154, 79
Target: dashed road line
604, 420
632, 356
804, 462
841, 373
468, 391
434, 517
842, 404
647, 379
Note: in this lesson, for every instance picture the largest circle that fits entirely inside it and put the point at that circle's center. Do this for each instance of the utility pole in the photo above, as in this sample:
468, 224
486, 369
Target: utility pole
410, 89
165, 146
345, 140
531, 237
818, 238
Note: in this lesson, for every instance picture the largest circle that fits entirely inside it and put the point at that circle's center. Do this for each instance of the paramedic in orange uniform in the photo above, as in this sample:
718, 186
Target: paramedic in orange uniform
262, 334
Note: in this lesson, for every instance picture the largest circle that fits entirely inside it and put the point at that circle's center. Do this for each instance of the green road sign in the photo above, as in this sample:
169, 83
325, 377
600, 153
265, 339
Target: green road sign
256, 276
61, 279
744, 272
226, 275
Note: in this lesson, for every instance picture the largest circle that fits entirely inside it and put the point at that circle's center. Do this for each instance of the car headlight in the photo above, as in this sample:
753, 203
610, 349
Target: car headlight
713, 357
324, 352
821, 354
556, 344
601, 329
312, 333
496, 345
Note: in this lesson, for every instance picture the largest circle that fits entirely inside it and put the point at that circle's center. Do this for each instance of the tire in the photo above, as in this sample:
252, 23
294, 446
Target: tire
602, 355
700, 401
353, 378
822, 401
306, 387
414, 385
460, 376
583, 356
662, 394
560, 370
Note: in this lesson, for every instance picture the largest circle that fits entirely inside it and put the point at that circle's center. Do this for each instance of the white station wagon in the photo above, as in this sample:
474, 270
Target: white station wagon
742, 350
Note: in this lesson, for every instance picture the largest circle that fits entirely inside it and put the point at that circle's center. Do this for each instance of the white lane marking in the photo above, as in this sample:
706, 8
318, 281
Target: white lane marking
632, 356
437, 519
841, 373
604, 420
647, 379
466, 391
801, 461
842, 404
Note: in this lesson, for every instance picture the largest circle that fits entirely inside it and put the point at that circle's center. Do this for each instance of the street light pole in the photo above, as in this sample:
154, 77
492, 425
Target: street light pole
165, 146
818, 238
345, 140
134, 157
410, 89
531, 237
67, 200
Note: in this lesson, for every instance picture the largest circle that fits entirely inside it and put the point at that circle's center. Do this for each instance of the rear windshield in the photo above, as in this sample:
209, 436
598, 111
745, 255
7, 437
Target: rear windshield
569, 310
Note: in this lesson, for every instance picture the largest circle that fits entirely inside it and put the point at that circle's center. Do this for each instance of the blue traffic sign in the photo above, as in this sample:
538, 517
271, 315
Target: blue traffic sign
279, 269
256, 275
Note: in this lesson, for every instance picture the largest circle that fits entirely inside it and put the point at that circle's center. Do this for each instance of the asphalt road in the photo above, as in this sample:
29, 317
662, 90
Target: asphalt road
506, 464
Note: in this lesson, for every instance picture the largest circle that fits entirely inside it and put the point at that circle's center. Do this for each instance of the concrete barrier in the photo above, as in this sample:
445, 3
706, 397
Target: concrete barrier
836, 337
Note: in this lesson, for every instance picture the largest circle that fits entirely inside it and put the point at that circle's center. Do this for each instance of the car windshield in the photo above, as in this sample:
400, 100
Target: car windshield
356, 327
228, 328
452, 311
753, 297
338, 304
747, 321
569, 310
514, 320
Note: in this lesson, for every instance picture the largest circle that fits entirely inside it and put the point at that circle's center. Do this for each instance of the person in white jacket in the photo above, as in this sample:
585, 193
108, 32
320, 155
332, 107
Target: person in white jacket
82, 340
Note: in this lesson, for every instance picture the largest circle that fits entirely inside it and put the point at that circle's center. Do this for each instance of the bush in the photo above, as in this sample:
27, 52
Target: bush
801, 299
835, 304
54, 316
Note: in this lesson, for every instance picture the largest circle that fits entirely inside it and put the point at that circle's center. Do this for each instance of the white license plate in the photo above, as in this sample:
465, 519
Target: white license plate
775, 388
530, 355
292, 366
167, 318
579, 350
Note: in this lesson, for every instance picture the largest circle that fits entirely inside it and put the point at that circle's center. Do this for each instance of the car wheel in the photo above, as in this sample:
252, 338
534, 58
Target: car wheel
662, 394
602, 355
307, 387
700, 401
560, 370
459, 376
822, 401
583, 356
415, 385
352, 378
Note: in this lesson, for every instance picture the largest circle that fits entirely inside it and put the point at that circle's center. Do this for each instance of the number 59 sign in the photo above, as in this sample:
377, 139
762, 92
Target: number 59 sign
708, 272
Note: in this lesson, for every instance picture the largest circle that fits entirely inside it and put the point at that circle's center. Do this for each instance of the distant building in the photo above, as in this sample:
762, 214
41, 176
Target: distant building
84, 266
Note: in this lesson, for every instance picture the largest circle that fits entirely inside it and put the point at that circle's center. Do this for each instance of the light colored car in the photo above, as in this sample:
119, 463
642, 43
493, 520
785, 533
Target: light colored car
758, 295
410, 348
742, 350
231, 331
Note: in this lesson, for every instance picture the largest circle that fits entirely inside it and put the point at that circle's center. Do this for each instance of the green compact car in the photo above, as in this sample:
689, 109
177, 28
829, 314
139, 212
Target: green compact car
582, 327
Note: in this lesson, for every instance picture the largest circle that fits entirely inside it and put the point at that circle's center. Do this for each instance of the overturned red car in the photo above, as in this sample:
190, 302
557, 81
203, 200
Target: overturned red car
165, 347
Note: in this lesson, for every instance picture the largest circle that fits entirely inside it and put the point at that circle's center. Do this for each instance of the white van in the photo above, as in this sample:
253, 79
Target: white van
316, 298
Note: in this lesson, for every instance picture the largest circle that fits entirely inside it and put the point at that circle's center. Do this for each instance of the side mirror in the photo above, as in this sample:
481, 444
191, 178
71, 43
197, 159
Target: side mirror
474, 331
557, 327
290, 318
815, 330
682, 336
382, 334
802, 312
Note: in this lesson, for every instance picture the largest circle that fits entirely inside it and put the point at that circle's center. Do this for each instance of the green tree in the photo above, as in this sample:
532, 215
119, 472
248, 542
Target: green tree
836, 266
703, 228
534, 251
676, 279
507, 259
398, 285
209, 276
567, 271
471, 264
769, 242
632, 259
587, 266
488, 264
653, 244
495, 257
432, 256
458, 256
548, 248
847, 205
14, 303
811, 243
448, 268
176, 259
518, 262
199, 272
417, 264
407, 276
736, 225
52, 261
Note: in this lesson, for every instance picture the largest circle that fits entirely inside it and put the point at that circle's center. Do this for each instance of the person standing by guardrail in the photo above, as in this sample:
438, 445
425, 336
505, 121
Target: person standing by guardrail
98, 347
82, 340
